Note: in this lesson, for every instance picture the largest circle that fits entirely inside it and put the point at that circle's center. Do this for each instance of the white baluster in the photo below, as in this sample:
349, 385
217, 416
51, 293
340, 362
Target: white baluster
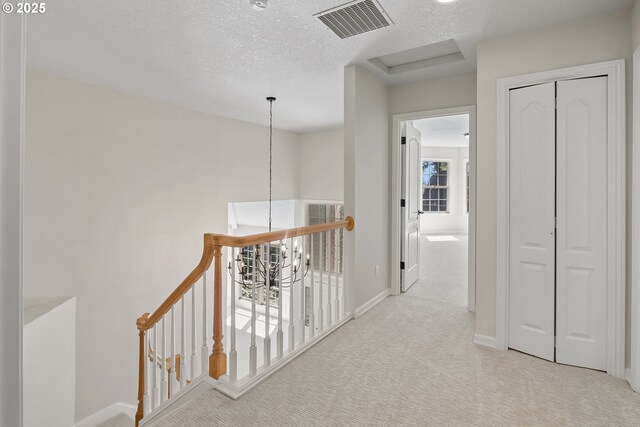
280, 334
164, 390
204, 351
233, 354
341, 265
267, 318
336, 249
154, 363
312, 315
320, 296
194, 352
328, 256
172, 355
183, 346
303, 268
146, 406
292, 266
253, 350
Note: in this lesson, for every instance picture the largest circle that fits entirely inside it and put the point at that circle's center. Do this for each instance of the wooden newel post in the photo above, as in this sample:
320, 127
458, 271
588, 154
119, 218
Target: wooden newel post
218, 358
141, 364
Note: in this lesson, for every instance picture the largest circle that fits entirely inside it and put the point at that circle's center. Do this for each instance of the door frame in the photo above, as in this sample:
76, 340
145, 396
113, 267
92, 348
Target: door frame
634, 375
396, 192
13, 38
616, 214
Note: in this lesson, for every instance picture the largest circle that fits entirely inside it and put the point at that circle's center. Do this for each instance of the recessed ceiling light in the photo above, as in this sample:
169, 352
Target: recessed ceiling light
446, 1
258, 4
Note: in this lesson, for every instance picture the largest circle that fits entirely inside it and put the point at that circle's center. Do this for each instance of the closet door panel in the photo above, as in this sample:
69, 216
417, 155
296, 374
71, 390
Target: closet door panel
581, 266
531, 223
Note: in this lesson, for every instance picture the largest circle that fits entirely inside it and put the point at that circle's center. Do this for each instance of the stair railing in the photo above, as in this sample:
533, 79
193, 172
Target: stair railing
314, 255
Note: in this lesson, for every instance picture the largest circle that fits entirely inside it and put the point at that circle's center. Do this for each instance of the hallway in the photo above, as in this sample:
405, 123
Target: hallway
443, 269
411, 361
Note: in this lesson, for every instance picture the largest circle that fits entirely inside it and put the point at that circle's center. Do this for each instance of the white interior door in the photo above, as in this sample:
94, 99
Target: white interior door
412, 196
531, 222
581, 264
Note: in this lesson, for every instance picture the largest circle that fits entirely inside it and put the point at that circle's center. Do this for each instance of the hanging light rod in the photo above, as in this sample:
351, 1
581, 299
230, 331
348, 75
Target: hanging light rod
271, 99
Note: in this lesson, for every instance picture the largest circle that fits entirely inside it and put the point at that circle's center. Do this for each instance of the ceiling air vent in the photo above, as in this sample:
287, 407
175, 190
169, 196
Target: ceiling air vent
356, 17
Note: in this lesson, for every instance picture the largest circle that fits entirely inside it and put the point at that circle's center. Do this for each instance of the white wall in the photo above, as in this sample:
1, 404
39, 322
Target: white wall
366, 175
322, 165
11, 146
456, 221
49, 364
590, 40
119, 190
635, 25
253, 217
434, 94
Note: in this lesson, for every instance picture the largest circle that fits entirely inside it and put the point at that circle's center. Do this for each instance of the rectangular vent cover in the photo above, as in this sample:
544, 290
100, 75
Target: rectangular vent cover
355, 18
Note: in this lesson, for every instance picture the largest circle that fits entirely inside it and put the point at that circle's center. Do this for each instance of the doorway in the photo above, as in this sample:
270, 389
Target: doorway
561, 233
435, 188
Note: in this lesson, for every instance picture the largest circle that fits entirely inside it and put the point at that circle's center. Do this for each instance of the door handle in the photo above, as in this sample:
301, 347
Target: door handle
420, 212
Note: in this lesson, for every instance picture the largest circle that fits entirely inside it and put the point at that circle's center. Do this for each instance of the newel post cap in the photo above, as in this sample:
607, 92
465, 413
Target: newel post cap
142, 320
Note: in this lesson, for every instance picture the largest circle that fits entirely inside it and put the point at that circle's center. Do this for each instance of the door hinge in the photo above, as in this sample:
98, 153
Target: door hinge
401, 265
403, 140
403, 203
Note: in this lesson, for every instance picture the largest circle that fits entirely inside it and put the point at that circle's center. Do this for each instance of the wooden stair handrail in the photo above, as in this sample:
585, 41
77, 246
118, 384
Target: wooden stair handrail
219, 240
256, 239
213, 244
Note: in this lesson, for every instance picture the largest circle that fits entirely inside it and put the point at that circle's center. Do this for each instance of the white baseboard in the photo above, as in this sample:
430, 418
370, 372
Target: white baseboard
628, 374
199, 386
107, 413
371, 303
484, 340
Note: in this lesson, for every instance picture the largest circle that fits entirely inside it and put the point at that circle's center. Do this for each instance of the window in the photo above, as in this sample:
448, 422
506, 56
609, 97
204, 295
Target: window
320, 214
435, 189
468, 186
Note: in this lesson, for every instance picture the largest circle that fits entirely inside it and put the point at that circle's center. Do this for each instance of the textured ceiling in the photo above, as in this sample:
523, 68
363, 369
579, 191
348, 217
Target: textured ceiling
224, 58
446, 131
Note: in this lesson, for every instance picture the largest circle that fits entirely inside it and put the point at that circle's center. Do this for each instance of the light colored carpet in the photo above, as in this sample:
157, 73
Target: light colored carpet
410, 361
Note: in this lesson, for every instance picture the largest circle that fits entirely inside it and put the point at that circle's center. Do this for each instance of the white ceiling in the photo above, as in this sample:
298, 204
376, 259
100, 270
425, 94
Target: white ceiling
445, 131
224, 58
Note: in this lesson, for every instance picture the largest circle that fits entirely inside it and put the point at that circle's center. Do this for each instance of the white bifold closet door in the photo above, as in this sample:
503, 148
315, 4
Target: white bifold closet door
531, 216
581, 241
558, 221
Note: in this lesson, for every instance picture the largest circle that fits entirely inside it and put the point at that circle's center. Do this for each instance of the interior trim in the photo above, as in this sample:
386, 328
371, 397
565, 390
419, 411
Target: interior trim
396, 185
634, 372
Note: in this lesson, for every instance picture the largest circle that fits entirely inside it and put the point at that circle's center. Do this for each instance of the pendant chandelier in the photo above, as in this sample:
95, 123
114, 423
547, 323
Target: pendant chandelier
268, 272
